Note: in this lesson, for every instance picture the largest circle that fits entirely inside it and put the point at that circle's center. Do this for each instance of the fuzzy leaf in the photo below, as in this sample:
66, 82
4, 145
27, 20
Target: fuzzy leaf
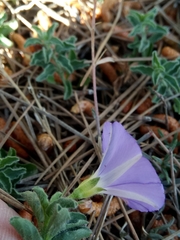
77, 234
52, 29
25, 228
67, 90
35, 203
143, 69
5, 182
49, 70
65, 63
176, 105
32, 41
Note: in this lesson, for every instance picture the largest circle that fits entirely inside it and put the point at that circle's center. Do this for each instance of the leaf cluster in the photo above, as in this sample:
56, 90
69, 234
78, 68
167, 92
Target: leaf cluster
11, 171
6, 27
156, 233
145, 30
55, 56
165, 76
54, 219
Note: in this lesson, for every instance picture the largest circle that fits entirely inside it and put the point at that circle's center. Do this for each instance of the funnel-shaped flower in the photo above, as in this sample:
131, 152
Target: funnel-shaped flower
124, 172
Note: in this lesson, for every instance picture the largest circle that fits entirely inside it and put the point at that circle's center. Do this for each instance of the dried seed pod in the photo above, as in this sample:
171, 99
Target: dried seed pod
118, 31
72, 149
20, 41
170, 53
127, 108
45, 141
108, 69
106, 8
173, 124
127, 6
88, 207
10, 143
19, 150
144, 106
21, 137
145, 129
85, 106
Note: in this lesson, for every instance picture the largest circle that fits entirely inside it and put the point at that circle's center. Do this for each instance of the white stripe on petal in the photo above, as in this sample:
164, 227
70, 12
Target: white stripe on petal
129, 195
113, 175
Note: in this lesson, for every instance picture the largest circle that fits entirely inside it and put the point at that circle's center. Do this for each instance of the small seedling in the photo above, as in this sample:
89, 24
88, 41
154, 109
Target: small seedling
55, 56
5, 29
145, 31
165, 75
55, 221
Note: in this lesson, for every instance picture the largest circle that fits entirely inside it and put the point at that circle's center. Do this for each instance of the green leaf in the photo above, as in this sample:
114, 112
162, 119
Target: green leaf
171, 66
143, 69
5, 182
39, 32
47, 55
156, 61
25, 228
32, 41
77, 234
8, 161
78, 64
176, 105
156, 77
3, 17
55, 197
35, 203
37, 59
59, 46
144, 44
5, 42
42, 197
49, 70
31, 169
51, 30
15, 172
67, 89
172, 82
65, 63
57, 222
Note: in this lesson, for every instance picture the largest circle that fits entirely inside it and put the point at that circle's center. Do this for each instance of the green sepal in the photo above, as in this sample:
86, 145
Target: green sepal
87, 188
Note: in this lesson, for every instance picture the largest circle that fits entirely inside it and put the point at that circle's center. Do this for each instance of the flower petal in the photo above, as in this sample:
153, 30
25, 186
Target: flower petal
106, 136
119, 148
140, 187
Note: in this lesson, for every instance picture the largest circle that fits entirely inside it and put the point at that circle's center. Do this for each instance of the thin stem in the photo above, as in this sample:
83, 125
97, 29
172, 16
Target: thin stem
94, 70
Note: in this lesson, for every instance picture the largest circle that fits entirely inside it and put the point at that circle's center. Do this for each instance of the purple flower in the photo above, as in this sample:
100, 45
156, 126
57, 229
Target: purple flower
124, 172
